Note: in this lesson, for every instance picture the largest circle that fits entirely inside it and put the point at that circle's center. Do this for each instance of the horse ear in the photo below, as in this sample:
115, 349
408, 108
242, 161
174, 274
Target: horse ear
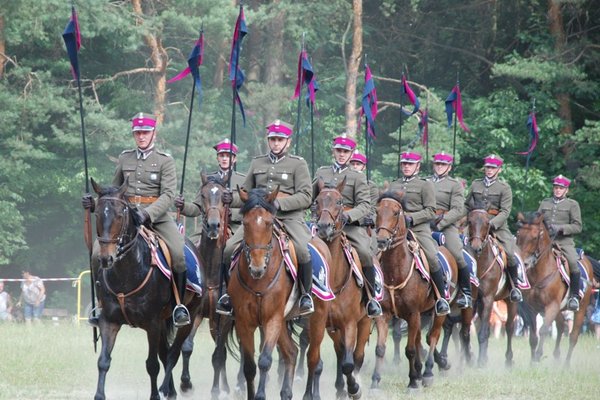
320, 184
95, 186
203, 177
520, 217
386, 186
123, 188
243, 193
342, 184
273, 195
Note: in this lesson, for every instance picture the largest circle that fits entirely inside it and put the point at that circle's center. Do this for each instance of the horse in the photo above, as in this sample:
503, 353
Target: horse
406, 294
259, 289
210, 248
132, 290
490, 273
548, 291
347, 323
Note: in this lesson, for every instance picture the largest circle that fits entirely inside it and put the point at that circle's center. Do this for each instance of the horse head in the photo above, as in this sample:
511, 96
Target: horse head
115, 225
214, 210
478, 222
390, 223
258, 214
533, 237
330, 207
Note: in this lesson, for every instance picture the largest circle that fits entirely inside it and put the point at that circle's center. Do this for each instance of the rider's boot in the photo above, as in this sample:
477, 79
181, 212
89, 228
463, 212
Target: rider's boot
441, 305
573, 302
305, 304
181, 315
513, 272
373, 306
224, 306
464, 282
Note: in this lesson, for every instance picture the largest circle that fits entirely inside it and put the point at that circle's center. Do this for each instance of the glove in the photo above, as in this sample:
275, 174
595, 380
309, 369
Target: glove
141, 216
227, 197
368, 221
87, 201
276, 204
179, 202
408, 220
435, 222
554, 229
345, 218
492, 226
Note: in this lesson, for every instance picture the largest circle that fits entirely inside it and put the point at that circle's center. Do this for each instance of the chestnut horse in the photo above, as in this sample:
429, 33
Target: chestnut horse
259, 288
407, 294
548, 291
133, 291
211, 246
490, 273
347, 322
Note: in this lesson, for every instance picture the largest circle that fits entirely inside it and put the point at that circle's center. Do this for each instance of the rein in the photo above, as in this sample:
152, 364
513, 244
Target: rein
537, 255
485, 237
337, 218
124, 227
393, 240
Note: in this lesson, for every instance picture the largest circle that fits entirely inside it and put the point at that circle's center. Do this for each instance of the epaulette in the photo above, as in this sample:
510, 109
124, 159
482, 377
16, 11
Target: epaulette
239, 173
451, 178
128, 151
162, 153
260, 156
296, 157
478, 180
323, 167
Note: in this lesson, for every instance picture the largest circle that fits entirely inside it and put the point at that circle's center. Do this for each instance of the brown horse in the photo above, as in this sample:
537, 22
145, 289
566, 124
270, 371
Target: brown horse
548, 291
490, 274
407, 294
347, 322
211, 246
133, 291
259, 288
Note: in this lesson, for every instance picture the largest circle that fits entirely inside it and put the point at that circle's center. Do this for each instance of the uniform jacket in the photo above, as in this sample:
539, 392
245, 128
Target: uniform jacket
498, 195
565, 214
449, 197
419, 199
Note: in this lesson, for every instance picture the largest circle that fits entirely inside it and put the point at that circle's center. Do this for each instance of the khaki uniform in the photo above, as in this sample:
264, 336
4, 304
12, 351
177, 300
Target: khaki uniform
499, 197
566, 215
419, 199
450, 201
291, 174
357, 205
153, 176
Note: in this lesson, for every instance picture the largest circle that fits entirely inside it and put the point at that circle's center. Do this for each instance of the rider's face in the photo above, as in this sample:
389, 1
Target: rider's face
441, 168
342, 156
559, 191
224, 160
144, 139
357, 166
409, 169
278, 144
492, 172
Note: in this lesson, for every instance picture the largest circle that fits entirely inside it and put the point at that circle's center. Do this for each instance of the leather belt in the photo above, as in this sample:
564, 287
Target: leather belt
493, 212
439, 211
142, 199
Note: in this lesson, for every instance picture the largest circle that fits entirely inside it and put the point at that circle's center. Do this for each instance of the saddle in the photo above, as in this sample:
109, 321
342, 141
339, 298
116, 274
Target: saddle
501, 258
563, 268
422, 265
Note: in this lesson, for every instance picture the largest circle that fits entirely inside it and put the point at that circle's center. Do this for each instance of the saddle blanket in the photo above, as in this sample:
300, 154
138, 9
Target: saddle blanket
378, 289
472, 265
444, 265
564, 272
522, 280
194, 276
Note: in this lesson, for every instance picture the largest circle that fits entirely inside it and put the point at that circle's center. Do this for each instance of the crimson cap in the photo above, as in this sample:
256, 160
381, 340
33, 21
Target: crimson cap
143, 122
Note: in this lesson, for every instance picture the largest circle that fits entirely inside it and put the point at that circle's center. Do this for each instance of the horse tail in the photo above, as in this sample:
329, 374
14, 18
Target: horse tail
526, 312
293, 330
232, 345
596, 266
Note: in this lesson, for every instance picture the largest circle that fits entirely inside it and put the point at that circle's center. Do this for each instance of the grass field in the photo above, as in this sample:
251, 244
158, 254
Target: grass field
50, 361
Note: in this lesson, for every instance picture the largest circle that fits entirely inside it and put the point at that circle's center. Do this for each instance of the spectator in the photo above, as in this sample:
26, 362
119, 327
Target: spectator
595, 316
33, 296
5, 304
498, 317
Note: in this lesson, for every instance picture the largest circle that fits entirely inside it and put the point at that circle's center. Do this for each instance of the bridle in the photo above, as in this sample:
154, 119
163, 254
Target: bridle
248, 248
212, 199
484, 239
337, 219
537, 254
393, 240
123, 240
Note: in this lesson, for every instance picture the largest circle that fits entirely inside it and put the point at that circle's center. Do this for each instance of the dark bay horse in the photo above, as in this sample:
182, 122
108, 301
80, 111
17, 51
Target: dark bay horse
259, 288
407, 294
133, 291
548, 291
347, 322
212, 242
491, 288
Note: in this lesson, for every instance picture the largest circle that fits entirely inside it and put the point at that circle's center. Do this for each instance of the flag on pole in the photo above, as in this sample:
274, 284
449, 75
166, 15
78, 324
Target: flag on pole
194, 62
369, 102
424, 127
72, 38
410, 94
306, 76
236, 75
454, 105
533, 134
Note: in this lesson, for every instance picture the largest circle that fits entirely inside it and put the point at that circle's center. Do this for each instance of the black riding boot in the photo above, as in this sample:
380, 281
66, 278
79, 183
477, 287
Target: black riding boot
305, 304
573, 302
464, 282
513, 272
181, 315
224, 306
441, 305
373, 306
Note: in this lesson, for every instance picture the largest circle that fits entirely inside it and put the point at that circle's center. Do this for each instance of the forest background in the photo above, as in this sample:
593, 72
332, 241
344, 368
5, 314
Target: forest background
506, 54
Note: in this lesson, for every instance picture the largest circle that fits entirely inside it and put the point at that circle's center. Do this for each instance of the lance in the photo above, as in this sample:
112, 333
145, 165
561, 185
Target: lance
299, 107
526, 178
455, 119
312, 139
400, 128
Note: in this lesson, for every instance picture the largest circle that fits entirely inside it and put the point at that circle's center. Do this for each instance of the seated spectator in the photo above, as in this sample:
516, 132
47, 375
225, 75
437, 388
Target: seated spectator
33, 297
5, 304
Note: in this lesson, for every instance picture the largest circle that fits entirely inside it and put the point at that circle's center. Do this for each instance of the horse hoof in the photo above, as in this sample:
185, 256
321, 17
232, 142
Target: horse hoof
412, 390
186, 387
427, 381
355, 396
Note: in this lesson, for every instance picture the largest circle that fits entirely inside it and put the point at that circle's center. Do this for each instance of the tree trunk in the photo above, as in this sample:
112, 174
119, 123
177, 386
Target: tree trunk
352, 70
158, 57
2, 47
564, 99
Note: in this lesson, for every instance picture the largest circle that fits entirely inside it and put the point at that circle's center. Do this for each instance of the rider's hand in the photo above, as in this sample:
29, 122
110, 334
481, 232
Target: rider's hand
408, 220
142, 216
368, 221
87, 201
179, 202
554, 229
345, 218
227, 197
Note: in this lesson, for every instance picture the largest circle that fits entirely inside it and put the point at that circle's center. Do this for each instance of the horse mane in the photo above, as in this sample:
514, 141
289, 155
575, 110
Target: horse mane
529, 217
392, 195
108, 191
329, 185
258, 198
480, 205
216, 179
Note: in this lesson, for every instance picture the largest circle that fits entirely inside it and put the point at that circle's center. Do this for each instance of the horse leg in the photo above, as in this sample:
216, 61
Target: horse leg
186, 353
550, 314
246, 337
108, 333
271, 332
560, 328
382, 332
289, 353
441, 358
349, 340
336, 337
465, 334
510, 329
534, 337
363, 334
303, 341
397, 336
152, 364
414, 326
314, 338
577, 322
432, 339
484, 329
219, 358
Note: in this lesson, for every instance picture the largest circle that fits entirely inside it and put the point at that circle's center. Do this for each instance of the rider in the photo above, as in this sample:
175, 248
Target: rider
226, 158
357, 205
290, 174
563, 218
152, 180
358, 162
498, 195
450, 201
419, 207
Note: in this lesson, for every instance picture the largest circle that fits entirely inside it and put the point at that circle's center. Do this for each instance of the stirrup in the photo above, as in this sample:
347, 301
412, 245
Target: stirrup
464, 301
573, 304
516, 296
223, 306
305, 305
374, 309
181, 310
442, 307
